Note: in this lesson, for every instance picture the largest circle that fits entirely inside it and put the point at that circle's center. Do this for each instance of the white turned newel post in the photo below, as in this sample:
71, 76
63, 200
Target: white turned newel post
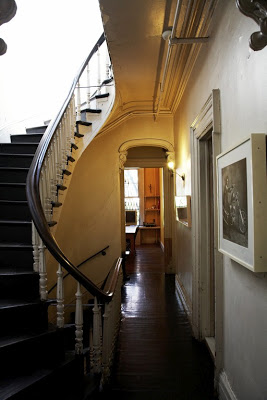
98, 71
42, 271
35, 244
60, 298
79, 321
97, 338
107, 337
88, 86
78, 117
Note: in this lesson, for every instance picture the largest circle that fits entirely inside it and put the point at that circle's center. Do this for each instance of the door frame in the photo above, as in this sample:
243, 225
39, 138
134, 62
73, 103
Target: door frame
168, 189
207, 124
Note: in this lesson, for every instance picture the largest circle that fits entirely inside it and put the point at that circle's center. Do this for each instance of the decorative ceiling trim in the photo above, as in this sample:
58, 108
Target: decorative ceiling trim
257, 10
124, 147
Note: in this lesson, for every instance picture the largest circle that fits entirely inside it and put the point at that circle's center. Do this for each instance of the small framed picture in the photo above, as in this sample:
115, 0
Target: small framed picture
242, 203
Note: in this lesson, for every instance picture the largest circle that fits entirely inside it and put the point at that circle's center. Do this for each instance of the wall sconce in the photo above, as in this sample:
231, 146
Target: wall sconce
181, 176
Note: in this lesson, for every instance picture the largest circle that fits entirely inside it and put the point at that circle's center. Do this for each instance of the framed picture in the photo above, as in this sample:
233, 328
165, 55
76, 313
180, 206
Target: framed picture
183, 210
242, 203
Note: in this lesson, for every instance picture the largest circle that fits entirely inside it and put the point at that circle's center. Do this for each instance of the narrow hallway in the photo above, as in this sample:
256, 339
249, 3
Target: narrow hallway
156, 357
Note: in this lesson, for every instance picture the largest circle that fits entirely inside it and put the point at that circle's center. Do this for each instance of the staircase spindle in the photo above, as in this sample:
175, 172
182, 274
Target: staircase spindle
79, 321
42, 271
98, 71
97, 337
35, 244
60, 298
88, 86
78, 117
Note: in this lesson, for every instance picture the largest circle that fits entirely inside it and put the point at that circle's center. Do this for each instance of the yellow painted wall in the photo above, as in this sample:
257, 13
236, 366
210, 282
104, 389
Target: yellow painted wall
90, 217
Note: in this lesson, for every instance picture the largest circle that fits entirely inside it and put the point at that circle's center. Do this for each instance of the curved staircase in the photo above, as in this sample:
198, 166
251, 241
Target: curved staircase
37, 359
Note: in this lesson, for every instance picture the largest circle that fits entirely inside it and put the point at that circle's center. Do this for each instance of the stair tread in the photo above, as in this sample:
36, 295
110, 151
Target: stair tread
17, 245
10, 340
15, 202
9, 387
29, 134
85, 123
24, 143
14, 168
9, 303
15, 222
12, 184
17, 155
7, 272
92, 110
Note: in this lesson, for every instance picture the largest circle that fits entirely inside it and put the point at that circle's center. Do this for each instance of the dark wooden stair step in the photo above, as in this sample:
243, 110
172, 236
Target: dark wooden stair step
23, 284
13, 174
100, 96
19, 160
65, 381
36, 129
12, 191
18, 316
28, 351
92, 110
29, 138
18, 148
18, 210
16, 257
16, 231
78, 135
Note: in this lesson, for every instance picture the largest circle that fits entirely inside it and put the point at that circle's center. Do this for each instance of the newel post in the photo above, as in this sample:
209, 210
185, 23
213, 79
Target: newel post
60, 298
79, 321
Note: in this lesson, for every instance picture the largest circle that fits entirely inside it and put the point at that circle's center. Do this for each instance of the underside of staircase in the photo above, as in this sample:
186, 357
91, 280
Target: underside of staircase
37, 360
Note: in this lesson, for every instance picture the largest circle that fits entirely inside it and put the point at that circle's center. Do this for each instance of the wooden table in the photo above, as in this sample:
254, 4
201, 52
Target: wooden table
131, 232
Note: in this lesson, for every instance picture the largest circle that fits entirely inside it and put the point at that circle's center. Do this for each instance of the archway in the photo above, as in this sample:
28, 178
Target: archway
152, 162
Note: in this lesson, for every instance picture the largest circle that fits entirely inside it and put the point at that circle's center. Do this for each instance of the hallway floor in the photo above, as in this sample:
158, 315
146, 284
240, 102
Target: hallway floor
156, 356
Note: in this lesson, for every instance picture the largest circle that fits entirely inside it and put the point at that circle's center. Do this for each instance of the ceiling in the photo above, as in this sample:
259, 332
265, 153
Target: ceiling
138, 52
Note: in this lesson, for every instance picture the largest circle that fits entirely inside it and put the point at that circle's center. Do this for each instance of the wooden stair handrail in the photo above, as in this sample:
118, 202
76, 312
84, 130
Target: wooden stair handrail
34, 201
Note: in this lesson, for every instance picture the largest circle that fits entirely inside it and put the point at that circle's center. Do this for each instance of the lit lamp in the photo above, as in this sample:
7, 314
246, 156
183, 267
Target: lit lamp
171, 165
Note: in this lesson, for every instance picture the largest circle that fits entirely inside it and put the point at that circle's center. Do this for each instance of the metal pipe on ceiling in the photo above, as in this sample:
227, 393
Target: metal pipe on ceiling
168, 56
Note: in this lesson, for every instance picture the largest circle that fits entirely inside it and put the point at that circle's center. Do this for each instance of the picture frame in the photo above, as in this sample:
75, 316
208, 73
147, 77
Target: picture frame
183, 210
242, 203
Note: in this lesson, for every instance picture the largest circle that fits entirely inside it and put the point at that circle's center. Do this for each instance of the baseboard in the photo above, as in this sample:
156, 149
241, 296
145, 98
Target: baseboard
225, 390
186, 302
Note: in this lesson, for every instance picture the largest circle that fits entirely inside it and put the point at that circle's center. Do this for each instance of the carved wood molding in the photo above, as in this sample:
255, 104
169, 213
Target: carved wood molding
8, 9
257, 10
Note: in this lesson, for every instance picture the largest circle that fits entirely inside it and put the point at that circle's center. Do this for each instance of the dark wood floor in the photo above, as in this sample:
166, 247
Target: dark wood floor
156, 356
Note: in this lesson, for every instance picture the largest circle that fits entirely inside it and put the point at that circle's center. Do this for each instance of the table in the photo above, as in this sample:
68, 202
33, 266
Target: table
131, 232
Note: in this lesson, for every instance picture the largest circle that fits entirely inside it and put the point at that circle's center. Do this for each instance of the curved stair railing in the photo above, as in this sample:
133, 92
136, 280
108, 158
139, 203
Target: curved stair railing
66, 136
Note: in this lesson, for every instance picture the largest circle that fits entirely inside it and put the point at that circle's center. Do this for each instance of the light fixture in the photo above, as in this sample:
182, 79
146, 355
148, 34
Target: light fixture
166, 34
181, 176
171, 165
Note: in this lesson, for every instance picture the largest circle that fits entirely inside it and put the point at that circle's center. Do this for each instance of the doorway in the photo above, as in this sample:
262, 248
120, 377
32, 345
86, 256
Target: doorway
207, 289
144, 205
155, 154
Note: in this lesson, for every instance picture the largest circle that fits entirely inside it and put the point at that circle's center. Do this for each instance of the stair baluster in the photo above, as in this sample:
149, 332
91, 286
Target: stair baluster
35, 244
111, 322
98, 71
78, 105
60, 298
97, 338
42, 271
79, 321
88, 85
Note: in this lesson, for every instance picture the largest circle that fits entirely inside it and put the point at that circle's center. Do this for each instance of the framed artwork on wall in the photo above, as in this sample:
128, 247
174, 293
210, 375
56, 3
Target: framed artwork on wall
242, 203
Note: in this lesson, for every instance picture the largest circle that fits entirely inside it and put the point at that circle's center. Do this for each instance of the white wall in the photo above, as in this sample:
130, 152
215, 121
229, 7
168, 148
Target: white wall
240, 74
